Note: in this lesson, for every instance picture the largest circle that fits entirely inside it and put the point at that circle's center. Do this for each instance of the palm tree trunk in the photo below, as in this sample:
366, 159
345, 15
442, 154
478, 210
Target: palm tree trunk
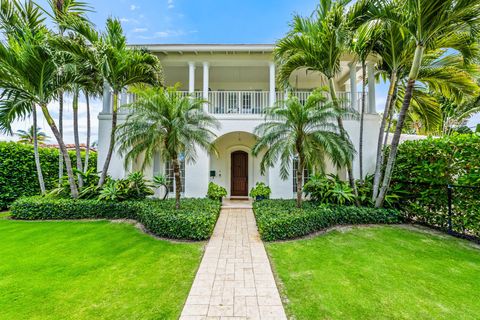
362, 118
380, 143
417, 60
41, 182
344, 135
103, 176
76, 137
64, 151
89, 133
300, 169
178, 181
60, 127
390, 117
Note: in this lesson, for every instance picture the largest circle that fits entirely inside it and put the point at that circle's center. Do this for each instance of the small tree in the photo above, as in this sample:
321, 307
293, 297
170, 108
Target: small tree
167, 123
307, 132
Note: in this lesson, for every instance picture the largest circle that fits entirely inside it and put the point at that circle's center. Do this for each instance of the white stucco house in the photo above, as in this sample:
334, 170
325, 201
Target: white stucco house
239, 83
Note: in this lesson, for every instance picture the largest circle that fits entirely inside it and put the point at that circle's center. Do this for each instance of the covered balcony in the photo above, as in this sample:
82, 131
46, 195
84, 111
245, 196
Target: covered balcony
242, 84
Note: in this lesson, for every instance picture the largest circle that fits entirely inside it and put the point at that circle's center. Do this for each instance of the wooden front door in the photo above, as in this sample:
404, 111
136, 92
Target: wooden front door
239, 183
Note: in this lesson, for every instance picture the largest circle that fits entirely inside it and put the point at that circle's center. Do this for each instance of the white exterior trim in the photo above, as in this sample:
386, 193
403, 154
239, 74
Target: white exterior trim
238, 80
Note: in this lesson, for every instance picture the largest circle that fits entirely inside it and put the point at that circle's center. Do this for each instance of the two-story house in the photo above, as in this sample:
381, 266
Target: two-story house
239, 83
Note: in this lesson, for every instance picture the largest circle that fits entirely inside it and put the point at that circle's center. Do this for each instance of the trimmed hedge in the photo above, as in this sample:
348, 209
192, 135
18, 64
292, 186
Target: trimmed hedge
194, 221
425, 168
18, 174
280, 219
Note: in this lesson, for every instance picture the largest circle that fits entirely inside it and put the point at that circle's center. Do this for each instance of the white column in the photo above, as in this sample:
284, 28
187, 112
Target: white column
353, 85
191, 77
371, 87
206, 77
107, 98
272, 83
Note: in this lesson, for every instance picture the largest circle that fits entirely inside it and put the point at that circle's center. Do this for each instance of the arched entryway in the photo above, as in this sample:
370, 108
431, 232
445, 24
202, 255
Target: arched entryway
239, 174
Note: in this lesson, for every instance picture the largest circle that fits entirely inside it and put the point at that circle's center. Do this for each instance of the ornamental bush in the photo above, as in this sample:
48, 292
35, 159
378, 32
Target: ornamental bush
281, 219
216, 192
260, 191
195, 221
18, 175
425, 168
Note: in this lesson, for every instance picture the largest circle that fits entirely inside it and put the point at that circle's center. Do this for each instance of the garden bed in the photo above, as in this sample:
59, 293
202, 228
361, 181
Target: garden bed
281, 219
194, 221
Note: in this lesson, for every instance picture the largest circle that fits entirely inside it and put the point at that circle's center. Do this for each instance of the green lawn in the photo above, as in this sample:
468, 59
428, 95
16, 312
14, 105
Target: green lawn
382, 272
91, 270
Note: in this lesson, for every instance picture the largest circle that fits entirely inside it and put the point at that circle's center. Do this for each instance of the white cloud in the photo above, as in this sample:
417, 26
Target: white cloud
134, 7
170, 4
139, 30
169, 33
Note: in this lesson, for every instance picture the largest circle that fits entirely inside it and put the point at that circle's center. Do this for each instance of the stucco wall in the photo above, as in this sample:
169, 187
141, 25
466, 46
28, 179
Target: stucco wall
232, 129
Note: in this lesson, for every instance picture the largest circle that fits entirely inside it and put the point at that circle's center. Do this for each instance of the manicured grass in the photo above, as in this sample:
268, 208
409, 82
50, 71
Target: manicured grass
4, 215
91, 270
381, 272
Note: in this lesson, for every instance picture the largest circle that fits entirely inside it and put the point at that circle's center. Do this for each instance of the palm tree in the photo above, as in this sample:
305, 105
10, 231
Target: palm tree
62, 12
14, 19
306, 132
27, 136
29, 75
167, 123
430, 23
317, 44
122, 67
80, 46
363, 45
442, 74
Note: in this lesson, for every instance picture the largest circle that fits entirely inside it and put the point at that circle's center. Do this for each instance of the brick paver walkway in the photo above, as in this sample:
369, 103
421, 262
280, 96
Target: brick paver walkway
235, 280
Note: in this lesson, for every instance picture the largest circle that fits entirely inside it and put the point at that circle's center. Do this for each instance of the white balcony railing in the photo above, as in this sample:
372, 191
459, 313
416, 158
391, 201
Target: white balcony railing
238, 102
249, 102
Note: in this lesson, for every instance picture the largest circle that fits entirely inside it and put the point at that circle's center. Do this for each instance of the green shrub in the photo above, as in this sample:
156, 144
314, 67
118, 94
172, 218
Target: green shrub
216, 192
18, 175
195, 221
260, 191
329, 189
280, 219
134, 187
425, 168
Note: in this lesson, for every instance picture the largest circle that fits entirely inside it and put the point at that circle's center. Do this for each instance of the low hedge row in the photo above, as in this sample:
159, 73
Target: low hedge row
280, 219
194, 221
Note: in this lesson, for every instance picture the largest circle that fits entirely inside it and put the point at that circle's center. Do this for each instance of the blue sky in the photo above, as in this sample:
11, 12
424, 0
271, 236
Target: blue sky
192, 21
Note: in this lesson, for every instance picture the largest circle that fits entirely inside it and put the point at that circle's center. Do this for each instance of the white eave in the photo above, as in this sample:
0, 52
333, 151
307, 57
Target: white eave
208, 48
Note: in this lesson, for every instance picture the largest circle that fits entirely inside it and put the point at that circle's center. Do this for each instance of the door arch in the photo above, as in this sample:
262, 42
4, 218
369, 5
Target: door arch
239, 174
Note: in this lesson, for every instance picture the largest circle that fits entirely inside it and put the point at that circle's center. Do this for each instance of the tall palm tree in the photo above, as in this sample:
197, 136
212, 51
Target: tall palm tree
363, 45
62, 11
30, 77
430, 23
81, 46
122, 67
317, 44
307, 132
167, 123
28, 136
443, 73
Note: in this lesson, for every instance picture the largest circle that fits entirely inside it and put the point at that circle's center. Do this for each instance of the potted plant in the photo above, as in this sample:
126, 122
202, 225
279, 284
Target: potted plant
260, 192
216, 192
